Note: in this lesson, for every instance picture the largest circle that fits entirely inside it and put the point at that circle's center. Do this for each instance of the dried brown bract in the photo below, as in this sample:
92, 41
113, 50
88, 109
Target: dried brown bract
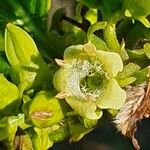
135, 109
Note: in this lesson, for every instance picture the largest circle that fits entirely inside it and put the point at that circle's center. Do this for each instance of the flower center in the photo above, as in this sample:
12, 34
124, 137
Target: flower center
90, 78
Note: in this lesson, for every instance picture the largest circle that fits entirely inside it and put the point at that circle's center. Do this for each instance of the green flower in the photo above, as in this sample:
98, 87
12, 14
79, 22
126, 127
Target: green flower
86, 80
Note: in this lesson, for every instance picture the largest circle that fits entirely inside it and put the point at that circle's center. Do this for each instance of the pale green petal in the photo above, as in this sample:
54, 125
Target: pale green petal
60, 79
85, 108
113, 98
67, 80
111, 61
75, 52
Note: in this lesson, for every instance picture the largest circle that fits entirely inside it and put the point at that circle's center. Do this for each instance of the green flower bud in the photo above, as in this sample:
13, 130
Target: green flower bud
45, 110
27, 63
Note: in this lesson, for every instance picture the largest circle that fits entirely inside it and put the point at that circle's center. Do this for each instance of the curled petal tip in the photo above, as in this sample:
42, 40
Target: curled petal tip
61, 95
61, 63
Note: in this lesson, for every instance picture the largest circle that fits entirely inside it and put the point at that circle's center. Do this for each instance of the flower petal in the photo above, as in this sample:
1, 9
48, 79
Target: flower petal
60, 79
113, 97
111, 61
85, 108
75, 52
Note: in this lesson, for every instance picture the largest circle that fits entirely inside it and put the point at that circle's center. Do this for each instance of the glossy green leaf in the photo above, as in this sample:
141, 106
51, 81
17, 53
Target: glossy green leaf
147, 50
45, 110
95, 27
61, 133
5, 67
139, 9
40, 138
30, 5
91, 15
126, 81
24, 58
111, 40
113, 98
142, 76
91, 4
1, 42
126, 76
136, 54
9, 96
77, 130
99, 43
43, 6
111, 10
22, 140
8, 128
88, 123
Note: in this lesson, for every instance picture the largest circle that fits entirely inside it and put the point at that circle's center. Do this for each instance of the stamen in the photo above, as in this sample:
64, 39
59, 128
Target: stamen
82, 71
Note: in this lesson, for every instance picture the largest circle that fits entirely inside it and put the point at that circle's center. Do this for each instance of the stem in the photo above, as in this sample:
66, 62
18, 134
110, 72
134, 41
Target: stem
83, 26
72, 21
85, 23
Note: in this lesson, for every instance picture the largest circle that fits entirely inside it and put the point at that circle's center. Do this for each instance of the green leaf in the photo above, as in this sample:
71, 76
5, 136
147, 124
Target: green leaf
61, 133
5, 67
1, 42
91, 15
126, 76
113, 98
88, 123
8, 127
25, 59
22, 140
139, 9
136, 54
6, 12
110, 37
147, 50
95, 27
77, 131
98, 42
128, 71
111, 62
111, 10
9, 96
126, 81
91, 4
43, 6
45, 110
40, 138
142, 76
30, 5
